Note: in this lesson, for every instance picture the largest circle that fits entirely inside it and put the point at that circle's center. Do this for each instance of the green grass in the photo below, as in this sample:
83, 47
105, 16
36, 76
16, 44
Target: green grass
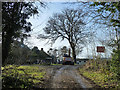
100, 74
0, 77
22, 76
56, 64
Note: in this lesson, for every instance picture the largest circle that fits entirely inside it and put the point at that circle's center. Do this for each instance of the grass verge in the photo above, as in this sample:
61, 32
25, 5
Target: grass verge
99, 73
22, 76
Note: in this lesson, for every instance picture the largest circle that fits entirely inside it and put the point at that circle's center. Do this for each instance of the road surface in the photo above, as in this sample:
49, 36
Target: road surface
65, 76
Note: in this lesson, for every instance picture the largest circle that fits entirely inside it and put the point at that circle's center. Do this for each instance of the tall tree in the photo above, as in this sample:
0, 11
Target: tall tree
68, 25
109, 13
14, 23
113, 17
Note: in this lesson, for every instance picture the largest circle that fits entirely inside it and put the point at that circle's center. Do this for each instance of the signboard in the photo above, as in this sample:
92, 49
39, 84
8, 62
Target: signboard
101, 49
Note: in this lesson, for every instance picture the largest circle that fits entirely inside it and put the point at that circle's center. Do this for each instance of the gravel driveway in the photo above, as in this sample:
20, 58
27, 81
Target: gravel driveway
65, 76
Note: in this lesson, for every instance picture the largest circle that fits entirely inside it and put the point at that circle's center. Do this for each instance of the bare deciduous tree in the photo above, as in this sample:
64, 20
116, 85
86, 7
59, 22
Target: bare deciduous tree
68, 25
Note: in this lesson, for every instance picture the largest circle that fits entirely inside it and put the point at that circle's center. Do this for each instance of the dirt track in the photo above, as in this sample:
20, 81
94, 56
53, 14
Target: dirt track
65, 76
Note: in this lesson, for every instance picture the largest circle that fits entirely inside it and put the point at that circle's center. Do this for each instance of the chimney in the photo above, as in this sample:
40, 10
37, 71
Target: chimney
41, 49
69, 51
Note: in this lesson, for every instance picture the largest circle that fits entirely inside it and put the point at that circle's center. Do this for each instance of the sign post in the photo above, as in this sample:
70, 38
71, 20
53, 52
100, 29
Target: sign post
100, 49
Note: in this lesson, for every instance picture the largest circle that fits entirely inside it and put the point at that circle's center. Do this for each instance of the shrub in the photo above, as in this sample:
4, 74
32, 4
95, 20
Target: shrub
115, 63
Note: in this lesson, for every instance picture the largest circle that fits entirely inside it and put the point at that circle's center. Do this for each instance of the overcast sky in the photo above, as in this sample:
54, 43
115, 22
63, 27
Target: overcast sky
39, 22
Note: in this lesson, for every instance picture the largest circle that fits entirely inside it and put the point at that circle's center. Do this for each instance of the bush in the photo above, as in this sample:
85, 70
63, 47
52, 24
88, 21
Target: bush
115, 63
104, 73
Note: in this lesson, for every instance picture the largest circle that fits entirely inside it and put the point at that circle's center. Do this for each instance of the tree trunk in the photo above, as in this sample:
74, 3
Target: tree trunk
6, 46
73, 53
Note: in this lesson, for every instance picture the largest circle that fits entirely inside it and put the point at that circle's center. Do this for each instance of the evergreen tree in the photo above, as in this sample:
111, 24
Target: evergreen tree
14, 23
